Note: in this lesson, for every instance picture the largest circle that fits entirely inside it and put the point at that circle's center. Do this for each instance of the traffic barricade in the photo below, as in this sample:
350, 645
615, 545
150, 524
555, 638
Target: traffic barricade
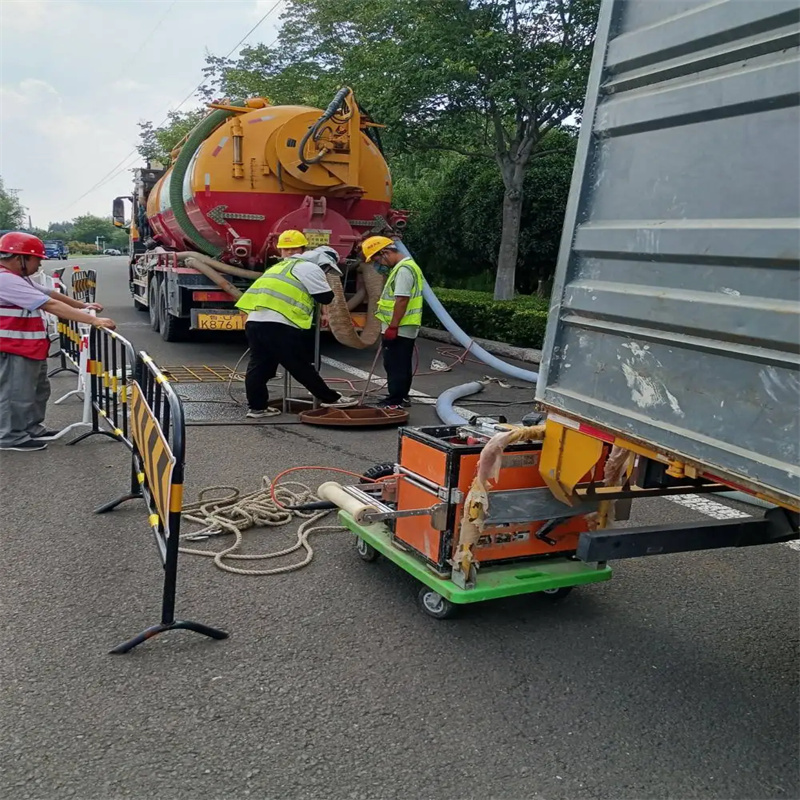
84, 285
158, 433
69, 347
41, 278
111, 364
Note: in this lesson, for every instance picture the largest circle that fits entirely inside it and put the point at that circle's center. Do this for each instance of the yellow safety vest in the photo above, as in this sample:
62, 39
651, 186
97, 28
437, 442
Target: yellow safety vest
278, 290
385, 309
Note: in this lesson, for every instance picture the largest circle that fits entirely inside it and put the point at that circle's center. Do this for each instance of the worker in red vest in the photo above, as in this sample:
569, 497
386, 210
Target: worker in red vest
24, 343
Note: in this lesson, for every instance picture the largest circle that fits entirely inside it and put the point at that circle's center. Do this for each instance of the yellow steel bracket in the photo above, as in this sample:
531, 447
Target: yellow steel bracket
567, 455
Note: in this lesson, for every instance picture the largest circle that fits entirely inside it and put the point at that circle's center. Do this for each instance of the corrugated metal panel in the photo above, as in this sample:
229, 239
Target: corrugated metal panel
676, 313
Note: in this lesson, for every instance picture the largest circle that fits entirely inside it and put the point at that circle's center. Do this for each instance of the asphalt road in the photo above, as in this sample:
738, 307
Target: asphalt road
677, 679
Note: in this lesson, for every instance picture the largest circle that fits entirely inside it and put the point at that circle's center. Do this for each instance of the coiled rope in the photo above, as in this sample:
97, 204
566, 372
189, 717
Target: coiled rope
233, 513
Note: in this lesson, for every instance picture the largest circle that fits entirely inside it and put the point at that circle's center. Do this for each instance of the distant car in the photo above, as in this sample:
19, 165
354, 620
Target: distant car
56, 248
112, 252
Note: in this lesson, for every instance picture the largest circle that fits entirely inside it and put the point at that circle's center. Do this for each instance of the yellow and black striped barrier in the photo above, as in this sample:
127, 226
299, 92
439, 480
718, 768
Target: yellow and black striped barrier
111, 364
84, 285
158, 437
69, 347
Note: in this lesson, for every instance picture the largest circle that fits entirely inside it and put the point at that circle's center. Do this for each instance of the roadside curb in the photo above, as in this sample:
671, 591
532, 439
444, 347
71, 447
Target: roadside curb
527, 354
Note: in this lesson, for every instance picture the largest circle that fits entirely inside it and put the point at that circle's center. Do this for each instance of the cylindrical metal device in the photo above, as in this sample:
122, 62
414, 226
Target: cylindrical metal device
243, 180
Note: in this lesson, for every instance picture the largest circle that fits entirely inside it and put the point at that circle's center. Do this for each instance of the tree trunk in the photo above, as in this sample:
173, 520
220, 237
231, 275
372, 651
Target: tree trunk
509, 239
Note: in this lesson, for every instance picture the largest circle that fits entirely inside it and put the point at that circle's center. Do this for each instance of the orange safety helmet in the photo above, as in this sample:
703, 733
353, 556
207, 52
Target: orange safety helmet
372, 246
22, 244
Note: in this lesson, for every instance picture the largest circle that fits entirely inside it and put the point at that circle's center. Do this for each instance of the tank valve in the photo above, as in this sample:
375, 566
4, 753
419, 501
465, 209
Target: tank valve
242, 248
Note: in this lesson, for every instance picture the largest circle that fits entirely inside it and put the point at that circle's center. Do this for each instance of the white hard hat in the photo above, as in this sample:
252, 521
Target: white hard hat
325, 257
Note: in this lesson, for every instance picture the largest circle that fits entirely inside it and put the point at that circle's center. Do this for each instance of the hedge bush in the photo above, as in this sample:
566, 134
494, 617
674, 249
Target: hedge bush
520, 322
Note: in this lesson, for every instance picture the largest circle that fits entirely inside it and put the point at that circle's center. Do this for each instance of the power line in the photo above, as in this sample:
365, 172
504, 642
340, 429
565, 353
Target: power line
146, 40
117, 168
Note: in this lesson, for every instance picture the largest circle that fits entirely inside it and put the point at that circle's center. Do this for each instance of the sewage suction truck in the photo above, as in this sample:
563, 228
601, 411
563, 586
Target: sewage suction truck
204, 228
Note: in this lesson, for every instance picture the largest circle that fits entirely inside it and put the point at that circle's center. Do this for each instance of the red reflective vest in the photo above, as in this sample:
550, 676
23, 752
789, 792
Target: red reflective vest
23, 333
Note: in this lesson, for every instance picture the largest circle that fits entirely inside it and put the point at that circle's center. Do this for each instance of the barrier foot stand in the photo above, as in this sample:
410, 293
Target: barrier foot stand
134, 494
197, 627
118, 502
93, 433
70, 428
62, 368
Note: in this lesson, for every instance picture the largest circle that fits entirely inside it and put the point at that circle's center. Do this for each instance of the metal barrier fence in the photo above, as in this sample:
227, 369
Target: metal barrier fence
69, 347
111, 364
158, 432
84, 285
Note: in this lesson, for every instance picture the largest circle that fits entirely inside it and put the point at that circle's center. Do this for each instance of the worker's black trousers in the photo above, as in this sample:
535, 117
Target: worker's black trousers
398, 357
273, 344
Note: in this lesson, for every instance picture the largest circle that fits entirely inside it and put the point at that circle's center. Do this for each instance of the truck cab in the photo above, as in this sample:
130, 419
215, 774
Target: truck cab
56, 248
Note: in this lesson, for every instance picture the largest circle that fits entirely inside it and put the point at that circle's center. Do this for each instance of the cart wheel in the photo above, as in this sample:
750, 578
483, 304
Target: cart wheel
366, 552
557, 594
434, 605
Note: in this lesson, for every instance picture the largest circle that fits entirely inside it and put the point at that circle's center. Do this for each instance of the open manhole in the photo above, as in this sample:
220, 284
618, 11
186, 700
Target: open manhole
354, 417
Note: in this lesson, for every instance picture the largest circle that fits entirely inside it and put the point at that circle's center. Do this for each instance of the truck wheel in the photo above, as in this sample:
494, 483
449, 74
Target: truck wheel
172, 327
152, 304
434, 605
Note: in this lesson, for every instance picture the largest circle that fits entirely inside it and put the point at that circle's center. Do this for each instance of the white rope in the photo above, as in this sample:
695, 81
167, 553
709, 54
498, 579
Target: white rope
234, 513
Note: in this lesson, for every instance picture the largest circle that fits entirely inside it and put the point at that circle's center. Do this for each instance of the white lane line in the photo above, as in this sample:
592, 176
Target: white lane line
422, 398
699, 503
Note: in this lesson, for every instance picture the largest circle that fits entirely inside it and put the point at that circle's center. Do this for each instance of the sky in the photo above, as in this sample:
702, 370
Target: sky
77, 76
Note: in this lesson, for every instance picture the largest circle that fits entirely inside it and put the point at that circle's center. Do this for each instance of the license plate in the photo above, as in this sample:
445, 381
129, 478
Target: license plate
218, 320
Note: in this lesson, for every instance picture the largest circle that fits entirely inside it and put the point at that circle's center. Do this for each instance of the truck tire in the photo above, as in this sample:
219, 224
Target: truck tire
173, 328
152, 304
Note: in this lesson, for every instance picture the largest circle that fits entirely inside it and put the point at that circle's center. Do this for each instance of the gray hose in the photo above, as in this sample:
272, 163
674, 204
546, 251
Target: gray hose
464, 340
444, 402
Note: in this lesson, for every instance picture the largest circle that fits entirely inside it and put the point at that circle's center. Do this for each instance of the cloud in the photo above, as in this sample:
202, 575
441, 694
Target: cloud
71, 98
130, 85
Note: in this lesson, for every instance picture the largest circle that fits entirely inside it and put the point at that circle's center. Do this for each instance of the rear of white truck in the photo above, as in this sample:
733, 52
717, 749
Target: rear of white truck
675, 327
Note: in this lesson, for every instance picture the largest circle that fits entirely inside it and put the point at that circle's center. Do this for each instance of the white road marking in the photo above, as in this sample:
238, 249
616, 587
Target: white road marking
715, 510
422, 398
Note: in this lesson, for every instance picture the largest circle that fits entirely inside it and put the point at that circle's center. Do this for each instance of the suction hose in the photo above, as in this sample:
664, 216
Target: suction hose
199, 134
444, 402
464, 340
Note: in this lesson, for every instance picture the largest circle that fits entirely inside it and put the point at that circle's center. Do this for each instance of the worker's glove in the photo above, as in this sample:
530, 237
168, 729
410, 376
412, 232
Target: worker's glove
390, 334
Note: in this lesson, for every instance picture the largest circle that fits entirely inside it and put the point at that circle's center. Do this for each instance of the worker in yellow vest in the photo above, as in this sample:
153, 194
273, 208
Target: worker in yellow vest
400, 313
280, 314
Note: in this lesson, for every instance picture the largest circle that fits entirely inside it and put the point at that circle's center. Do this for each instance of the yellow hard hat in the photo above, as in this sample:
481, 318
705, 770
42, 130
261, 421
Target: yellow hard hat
374, 245
290, 239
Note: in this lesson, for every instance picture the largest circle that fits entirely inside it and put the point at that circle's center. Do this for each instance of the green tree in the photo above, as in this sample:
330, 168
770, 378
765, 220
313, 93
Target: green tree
455, 227
12, 213
87, 228
61, 230
488, 79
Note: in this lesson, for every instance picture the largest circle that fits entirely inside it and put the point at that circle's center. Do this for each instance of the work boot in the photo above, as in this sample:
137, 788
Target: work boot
253, 413
342, 402
25, 447
46, 434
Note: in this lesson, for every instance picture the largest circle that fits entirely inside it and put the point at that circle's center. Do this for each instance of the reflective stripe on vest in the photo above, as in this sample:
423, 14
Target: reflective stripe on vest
23, 333
278, 290
385, 309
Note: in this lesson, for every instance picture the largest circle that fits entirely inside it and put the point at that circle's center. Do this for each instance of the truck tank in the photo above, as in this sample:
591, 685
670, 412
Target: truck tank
250, 170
